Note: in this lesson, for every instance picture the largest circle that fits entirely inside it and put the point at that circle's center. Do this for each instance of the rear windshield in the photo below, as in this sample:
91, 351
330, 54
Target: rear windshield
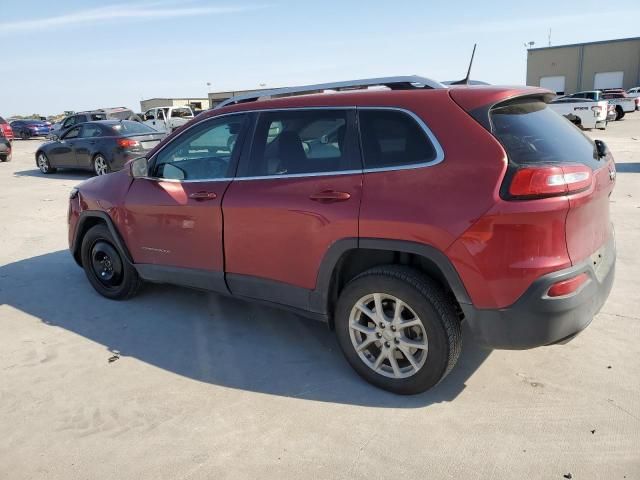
98, 116
2, 121
131, 128
533, 133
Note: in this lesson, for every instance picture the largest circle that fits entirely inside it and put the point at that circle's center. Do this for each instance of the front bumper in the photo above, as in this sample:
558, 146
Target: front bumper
537, 319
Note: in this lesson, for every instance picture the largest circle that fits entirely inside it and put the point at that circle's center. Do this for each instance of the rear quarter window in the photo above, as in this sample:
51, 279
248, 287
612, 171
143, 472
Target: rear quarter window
392, 138
532, 133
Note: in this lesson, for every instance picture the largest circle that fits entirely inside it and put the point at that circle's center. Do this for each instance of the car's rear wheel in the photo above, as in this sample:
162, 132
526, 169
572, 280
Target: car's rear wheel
24, 135
43, 164
100, 165
398, 329
106, 267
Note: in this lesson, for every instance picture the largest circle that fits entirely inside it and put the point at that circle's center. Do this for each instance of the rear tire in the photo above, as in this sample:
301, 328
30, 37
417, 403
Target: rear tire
100, 165
107, 269
419, 322
43, 164
25, 135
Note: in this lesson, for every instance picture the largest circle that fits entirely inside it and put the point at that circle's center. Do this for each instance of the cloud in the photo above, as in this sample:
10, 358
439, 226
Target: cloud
147, 11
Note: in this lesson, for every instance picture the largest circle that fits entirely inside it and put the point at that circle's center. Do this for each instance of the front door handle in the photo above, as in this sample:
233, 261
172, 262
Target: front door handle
330, 196
203, 195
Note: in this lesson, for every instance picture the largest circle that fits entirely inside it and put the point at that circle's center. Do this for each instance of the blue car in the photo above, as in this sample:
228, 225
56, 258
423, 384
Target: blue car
26, 129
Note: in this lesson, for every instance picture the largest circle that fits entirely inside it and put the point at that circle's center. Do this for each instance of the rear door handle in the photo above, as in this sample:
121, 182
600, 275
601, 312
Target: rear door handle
203, 195
330, 196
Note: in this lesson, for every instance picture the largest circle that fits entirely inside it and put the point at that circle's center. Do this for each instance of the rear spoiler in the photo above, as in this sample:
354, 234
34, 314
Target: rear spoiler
478, 101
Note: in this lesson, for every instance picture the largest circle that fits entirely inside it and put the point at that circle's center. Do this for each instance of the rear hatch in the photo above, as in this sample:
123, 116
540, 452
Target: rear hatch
550, 157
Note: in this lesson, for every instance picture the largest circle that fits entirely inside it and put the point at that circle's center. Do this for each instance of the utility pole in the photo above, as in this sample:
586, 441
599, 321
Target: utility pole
549, 37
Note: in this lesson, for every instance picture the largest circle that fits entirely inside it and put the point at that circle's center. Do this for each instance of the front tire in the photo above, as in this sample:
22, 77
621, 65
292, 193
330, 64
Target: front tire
397, 329
619, 112
43, 164
107, 269
100, 165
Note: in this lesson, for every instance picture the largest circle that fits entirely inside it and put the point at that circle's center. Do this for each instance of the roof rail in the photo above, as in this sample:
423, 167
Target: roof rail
394, 83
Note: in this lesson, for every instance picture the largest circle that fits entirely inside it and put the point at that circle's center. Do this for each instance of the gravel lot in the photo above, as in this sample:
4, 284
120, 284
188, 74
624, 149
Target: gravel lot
203, 387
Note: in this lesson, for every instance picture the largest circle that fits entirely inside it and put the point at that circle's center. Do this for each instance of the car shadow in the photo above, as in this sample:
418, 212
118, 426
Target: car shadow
629, 167
210, 338
61, 174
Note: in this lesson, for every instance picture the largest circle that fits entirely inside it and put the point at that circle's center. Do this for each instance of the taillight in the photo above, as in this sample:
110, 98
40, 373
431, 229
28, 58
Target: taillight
565, 287
539, 182
127, 143
596, 108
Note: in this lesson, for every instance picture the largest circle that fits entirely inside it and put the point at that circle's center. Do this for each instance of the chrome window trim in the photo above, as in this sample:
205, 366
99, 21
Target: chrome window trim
430, 135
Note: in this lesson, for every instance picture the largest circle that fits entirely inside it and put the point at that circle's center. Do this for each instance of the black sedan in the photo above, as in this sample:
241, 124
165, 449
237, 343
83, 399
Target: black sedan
101, 146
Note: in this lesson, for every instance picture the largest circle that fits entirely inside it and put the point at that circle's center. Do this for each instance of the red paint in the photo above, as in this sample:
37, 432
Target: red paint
276, 230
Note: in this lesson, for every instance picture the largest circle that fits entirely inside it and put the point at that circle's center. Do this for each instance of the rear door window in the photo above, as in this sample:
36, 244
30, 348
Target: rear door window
532, 133
392, 138
299, 142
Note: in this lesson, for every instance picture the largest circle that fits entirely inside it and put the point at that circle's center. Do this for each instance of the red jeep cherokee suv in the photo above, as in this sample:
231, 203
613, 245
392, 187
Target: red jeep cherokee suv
393, 214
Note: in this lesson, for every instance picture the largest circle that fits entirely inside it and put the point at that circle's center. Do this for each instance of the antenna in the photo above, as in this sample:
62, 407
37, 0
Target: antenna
549, 37
465, 80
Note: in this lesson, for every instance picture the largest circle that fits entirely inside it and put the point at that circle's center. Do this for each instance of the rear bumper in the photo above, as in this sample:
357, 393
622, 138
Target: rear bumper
537, 319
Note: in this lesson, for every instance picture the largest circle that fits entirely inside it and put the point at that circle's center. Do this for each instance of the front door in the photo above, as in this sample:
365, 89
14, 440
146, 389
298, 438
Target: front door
173, 218
63, 153
296, 194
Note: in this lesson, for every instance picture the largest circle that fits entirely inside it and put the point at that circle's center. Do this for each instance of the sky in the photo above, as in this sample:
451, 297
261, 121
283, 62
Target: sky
85, 54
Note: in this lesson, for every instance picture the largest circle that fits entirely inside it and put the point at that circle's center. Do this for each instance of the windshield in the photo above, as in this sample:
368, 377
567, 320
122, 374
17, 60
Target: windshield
533, 133
131, 128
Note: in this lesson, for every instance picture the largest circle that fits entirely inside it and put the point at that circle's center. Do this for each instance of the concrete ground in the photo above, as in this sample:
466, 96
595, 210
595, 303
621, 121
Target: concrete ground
204, 387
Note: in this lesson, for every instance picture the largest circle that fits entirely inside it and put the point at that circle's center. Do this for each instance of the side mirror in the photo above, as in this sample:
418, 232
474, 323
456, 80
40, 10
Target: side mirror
601, 148
139, 168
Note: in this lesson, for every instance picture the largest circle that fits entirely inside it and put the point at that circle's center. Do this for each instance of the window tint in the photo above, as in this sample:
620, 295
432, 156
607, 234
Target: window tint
149, 115
69, 122
392, 138
533, 133
91, 130
202, 153
181, 113
98, 116
126, 127
299, 142
73, 133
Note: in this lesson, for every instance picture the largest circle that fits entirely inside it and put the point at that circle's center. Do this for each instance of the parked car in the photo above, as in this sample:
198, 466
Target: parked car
77, 118
622, 103
635, 93
583, 112
392, 229
116, 113
26, 129
5, 129
102, 146
5, 148
167, 119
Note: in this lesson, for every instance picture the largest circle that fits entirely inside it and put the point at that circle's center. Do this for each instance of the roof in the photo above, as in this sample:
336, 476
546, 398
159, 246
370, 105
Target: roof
599, 42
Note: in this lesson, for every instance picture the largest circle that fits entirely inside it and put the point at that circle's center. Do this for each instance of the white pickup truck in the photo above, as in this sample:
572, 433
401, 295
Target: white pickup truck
581, 111
167, 119
622, 103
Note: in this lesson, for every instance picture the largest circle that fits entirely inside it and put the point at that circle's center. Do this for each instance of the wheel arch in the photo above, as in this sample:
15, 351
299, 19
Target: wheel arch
347, 258
89, 219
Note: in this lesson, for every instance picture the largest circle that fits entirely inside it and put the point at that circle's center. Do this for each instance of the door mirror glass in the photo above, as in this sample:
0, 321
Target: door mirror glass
139, 168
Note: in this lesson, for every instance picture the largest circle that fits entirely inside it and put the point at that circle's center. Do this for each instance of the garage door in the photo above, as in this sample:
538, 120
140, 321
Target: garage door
608, 80
555, 84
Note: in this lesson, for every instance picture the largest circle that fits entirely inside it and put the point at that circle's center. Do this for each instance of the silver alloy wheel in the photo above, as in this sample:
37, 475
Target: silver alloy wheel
43, 164
388, 335
100, 165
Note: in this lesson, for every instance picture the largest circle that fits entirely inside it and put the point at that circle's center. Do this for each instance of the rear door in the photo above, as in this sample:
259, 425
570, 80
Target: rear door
85, 145
297, 192
174, 218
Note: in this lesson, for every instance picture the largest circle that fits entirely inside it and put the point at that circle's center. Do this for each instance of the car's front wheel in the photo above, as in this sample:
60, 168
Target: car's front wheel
398, 329
106, 267
43, 164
